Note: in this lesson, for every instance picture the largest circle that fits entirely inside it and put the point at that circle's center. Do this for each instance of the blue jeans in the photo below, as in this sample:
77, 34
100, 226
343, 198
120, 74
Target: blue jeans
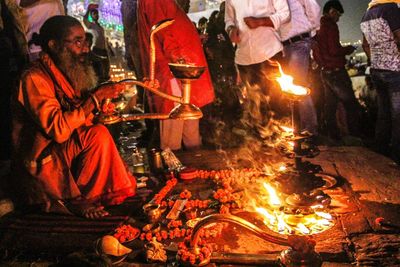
297, 59
338, 87
387, 129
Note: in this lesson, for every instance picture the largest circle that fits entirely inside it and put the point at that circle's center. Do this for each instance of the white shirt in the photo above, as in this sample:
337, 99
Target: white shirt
304, 17
262, 43
33, 17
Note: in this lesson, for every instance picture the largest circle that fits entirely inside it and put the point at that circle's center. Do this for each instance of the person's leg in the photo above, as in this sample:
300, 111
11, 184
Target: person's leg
330, 104
393, 80
298, 59
171, 134
99, 172
191, 134
383, 121
346, 95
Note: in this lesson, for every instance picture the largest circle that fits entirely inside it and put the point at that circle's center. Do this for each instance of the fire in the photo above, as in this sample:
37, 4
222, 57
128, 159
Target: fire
275, 217
287, 85
272, 195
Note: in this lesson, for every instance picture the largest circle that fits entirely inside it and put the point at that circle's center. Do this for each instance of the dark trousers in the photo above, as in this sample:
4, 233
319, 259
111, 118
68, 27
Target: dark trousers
387, 130
338, 88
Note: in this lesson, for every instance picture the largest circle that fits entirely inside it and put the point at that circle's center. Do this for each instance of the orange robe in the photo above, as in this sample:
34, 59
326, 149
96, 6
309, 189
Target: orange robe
59, 153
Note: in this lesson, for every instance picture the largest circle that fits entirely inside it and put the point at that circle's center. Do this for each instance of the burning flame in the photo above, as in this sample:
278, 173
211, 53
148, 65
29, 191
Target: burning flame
287, 85
272, 195
277, 220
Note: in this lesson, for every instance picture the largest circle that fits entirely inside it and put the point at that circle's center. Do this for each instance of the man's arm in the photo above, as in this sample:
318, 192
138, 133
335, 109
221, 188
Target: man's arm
230, 27
38, 97
281, 16
397, 38
366, 48
313, 12
333, 41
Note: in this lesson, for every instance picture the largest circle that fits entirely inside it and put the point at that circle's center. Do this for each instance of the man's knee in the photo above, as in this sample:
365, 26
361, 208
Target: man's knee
98, 133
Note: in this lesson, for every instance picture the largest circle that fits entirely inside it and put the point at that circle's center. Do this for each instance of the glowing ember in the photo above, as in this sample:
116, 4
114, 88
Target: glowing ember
287, 85
275, 217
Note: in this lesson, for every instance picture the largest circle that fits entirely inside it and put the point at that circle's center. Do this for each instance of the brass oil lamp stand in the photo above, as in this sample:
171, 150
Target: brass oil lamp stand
303, 181
184, 72
302, 186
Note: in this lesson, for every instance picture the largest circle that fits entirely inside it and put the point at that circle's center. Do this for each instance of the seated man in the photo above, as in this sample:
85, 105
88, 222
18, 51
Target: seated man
62, 160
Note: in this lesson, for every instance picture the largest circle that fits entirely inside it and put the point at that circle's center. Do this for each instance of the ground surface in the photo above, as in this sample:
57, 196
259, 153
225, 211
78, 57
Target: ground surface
368, 188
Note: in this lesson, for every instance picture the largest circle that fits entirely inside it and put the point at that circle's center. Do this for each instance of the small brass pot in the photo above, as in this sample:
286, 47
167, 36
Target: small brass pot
153, 212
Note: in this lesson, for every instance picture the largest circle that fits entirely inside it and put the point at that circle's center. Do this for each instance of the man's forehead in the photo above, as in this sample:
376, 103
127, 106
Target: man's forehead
76, 32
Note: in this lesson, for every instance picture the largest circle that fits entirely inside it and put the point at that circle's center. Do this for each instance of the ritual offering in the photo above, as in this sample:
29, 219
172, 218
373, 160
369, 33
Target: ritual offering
126, 233
155, 251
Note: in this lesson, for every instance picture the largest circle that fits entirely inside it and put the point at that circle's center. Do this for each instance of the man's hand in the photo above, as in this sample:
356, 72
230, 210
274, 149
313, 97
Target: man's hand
109, 90
153, 84
253, 22
233, 33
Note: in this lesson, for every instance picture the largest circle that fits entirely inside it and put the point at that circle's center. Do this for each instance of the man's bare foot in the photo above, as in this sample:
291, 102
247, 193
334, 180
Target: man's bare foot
87, 210
96, 212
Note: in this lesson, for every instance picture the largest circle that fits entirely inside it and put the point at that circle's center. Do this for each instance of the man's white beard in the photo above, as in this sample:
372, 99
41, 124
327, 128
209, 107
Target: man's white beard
81, 75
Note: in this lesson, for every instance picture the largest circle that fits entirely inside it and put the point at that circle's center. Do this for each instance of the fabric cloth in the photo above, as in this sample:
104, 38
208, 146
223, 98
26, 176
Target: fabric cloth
174, 132
304, 18
59, 153
179, 40
262, 43
29, 20
338, 88
378, 25
331, 54
378, 2
387, 130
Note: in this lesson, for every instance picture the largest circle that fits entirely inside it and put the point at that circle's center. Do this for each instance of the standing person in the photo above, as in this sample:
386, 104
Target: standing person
381, 29
337, 83
179, 41
253, 25
62, 160
19, 20
91, 21
29, 16
296, 38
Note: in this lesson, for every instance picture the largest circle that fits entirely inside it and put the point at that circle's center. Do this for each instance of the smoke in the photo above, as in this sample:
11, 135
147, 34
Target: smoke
253, 128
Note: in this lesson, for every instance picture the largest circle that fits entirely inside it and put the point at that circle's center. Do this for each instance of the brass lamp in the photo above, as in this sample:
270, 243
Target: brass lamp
184, 72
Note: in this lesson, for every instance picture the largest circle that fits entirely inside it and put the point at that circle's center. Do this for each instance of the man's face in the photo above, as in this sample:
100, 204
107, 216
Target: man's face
95, 14
72, 57
335, 14
77, 44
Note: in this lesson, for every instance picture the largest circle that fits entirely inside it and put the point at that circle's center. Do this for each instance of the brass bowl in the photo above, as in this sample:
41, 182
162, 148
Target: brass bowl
153, 212
186, 71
